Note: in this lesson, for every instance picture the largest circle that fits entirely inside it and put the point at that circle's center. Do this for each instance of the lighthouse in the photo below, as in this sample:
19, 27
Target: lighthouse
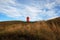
28, 19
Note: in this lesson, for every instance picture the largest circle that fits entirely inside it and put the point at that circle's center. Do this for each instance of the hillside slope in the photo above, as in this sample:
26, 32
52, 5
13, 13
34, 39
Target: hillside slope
39, 30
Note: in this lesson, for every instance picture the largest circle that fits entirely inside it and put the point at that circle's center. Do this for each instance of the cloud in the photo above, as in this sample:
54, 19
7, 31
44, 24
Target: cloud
36, 10
57, 1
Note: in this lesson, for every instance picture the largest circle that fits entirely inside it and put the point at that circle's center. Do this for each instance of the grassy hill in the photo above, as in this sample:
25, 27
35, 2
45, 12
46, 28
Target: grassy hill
38, 30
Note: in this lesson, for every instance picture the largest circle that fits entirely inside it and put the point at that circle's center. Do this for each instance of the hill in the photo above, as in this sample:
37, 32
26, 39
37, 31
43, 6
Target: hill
38, 30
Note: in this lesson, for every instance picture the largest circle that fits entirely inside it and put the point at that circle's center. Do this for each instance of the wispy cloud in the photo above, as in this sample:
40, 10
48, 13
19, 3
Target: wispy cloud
36, 10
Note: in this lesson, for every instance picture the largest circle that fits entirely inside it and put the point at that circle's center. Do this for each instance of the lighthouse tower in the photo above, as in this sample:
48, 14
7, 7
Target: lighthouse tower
28, 19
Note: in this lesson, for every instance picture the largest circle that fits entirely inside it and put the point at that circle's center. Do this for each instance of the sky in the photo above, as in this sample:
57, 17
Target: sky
35, 9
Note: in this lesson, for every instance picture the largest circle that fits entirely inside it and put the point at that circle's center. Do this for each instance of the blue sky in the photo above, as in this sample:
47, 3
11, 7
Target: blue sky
35, 9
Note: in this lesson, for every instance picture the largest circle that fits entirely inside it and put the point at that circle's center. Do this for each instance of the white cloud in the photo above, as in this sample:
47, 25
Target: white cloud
13, 9
7, 9
50, 5
11, 12
57, 1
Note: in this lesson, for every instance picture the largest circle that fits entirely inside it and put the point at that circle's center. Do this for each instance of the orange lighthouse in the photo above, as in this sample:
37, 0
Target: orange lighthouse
27, 19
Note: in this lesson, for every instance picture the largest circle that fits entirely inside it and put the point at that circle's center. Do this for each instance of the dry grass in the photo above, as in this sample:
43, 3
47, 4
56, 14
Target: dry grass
40, 30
